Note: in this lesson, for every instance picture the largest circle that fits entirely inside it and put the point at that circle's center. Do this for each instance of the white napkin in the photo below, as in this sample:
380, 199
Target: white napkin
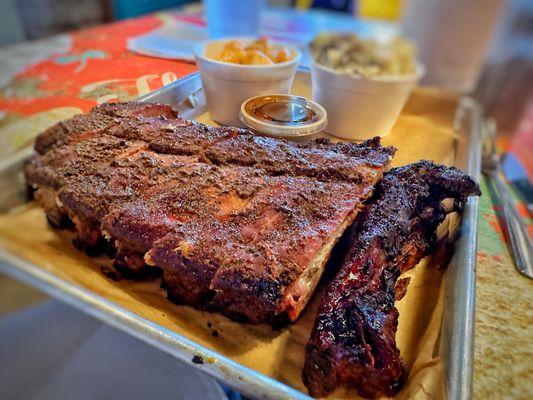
174, 40
55, 352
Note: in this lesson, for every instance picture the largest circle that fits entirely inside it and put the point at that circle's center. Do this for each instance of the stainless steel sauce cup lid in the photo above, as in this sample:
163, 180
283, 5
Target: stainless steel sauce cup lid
283, 115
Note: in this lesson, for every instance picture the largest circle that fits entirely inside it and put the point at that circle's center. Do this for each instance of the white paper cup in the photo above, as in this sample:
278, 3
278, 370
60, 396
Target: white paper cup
227, 85
360, 108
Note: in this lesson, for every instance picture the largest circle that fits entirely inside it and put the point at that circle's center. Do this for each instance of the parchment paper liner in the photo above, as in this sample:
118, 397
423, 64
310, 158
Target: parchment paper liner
424, 130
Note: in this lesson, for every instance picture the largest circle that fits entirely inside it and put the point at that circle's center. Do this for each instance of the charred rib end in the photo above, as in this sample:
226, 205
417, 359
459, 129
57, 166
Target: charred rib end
319, 372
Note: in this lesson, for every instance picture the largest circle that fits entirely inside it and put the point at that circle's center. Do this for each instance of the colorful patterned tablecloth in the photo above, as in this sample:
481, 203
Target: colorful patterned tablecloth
45, 82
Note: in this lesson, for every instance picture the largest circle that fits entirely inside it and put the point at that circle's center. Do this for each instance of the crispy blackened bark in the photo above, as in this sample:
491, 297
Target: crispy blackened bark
353, 341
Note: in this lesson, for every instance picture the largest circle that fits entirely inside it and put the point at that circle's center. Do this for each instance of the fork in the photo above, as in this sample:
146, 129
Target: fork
521, 243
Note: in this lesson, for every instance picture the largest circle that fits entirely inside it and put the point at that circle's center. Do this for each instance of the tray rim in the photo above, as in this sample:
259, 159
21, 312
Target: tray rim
458, 345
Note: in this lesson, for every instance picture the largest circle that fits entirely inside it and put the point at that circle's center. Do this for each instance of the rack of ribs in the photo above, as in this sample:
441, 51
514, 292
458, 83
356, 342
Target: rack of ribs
235, 223
353, 340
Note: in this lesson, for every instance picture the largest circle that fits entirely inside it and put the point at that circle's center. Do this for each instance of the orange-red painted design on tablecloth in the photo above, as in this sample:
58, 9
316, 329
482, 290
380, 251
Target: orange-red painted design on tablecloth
97, 68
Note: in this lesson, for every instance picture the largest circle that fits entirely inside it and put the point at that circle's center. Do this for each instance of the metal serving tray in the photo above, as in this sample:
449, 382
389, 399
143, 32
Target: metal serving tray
457, 331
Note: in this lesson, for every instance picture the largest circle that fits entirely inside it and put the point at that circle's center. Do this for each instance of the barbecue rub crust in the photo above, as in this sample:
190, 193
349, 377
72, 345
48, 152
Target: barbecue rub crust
234, 223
